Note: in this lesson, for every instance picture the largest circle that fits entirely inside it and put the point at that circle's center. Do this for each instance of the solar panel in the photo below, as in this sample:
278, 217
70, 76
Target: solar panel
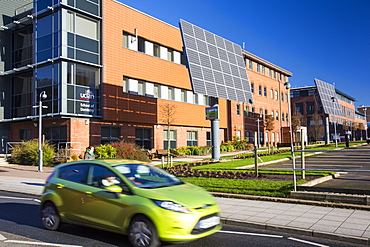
216, 65
327, 94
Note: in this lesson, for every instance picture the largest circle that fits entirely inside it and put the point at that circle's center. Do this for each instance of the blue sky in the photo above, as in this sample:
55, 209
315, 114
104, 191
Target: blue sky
324, 39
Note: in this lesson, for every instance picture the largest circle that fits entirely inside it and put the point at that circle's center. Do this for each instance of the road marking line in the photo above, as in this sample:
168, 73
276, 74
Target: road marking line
2, 237
17, 198
307, 242
253, 234
39, 243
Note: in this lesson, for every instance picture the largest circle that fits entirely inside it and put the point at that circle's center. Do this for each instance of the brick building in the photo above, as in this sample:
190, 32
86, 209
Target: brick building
109, 72
307, 104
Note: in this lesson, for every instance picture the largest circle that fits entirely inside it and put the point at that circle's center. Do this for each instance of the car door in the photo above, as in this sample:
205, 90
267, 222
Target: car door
71, 188
102, 207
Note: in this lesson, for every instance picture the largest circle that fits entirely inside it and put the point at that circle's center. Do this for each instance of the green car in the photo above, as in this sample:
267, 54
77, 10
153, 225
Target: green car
128, 197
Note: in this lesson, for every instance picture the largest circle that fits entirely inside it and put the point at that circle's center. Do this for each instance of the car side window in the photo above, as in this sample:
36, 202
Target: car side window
76, 173
103, 177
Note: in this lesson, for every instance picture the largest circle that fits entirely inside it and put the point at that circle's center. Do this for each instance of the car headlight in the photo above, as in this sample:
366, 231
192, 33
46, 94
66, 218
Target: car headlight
172, 206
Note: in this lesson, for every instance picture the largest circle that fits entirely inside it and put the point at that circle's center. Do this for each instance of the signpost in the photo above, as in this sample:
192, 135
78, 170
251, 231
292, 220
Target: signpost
212, 114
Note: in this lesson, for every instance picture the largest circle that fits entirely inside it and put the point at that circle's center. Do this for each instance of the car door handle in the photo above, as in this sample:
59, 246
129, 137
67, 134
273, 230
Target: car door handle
59, 185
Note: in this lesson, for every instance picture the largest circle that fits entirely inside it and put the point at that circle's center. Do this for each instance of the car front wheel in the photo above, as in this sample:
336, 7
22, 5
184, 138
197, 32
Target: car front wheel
50, 217
142, 232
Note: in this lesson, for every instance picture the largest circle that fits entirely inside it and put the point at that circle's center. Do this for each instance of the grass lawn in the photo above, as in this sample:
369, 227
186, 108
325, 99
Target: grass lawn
248, 187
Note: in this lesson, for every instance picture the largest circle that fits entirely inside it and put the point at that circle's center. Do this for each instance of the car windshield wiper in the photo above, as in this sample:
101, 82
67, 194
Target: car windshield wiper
166, 185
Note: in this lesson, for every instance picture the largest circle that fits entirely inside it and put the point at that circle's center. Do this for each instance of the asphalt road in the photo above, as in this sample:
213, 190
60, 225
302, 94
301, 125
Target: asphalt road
20, 226
350, 181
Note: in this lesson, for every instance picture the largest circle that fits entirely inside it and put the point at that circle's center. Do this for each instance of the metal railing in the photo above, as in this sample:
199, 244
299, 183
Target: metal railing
8, 146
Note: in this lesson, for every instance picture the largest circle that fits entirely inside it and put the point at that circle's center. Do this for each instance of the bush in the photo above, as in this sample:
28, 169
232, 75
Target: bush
105, 151
27, 153
132, 151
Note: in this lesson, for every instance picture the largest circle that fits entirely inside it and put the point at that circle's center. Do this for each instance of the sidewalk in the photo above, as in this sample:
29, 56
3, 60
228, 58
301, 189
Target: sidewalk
349, 225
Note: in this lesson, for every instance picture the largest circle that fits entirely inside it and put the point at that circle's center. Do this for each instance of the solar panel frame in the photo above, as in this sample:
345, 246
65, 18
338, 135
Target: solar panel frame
216, 64
326, 93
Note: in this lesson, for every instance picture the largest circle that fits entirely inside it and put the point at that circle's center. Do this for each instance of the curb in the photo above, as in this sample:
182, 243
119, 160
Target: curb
287, 229
291, 200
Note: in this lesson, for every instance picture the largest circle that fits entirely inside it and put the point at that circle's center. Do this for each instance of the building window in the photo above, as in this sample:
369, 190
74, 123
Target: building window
192, 138
171, 93
258, 67
253, 113
282, 117
282, 97
56, 134
157, 91
273, 114
286, 117
169, 137
183, 96
265, 91
247, 111
270, 72
276, 95
299, 108
170, 56
261, 112
238, 109
310, 109
277, 116
141, 45
25, 134
143, 138
125, 40
250, 64
272, 93
141, 88
208, 138
109, 134
263, 69
125, 85
260, 90
156, 50
195, 98
266, 112
252, 87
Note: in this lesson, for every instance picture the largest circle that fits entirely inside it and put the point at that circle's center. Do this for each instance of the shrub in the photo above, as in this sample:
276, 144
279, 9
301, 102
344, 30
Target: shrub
106, 151
132, 151
27, 153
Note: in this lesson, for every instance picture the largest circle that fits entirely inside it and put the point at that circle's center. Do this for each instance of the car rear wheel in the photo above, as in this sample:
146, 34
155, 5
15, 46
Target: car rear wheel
142, 232
50, 217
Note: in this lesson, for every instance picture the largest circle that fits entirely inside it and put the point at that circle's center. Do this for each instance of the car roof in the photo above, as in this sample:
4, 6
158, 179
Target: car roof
108, 162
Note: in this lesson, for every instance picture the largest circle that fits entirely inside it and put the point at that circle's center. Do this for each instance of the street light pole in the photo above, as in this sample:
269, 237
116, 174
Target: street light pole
335, 126
43, 95
287, 86
258, 133
364, 109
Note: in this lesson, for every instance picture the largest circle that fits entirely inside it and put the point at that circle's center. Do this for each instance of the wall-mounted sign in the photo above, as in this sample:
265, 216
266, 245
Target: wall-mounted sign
86, 101
212, 113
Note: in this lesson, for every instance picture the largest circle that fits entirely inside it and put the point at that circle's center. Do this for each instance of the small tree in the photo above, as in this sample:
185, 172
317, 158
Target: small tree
297, 121
354, 129
361, 127
345, 125
316, 130
269, 126
167, 114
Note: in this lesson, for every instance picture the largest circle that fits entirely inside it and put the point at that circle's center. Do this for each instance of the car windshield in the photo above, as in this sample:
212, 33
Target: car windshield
147, 177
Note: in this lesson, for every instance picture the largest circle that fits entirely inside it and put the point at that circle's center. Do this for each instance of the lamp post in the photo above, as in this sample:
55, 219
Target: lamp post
42, 96
364, 109
335, 125
287, 86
